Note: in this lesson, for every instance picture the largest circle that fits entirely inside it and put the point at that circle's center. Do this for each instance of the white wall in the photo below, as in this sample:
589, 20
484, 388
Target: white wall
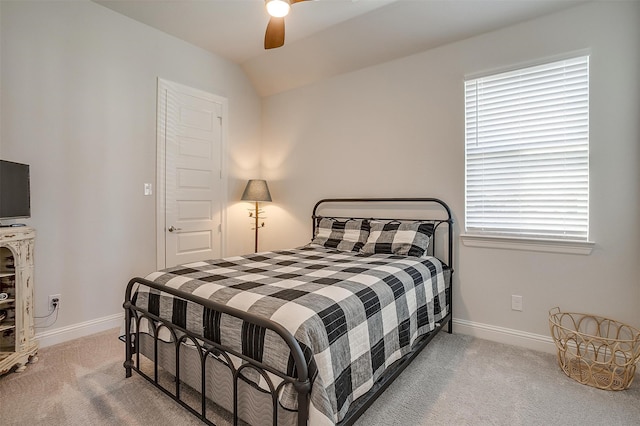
397, 129
79, 106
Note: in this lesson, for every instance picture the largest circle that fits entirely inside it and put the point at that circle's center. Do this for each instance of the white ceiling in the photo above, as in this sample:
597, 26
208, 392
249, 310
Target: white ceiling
325, 38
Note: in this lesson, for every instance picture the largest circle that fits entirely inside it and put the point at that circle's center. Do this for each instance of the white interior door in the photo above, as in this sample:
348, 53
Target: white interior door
190, 131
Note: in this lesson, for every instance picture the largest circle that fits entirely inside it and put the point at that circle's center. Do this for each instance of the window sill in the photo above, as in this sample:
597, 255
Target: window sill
529, 244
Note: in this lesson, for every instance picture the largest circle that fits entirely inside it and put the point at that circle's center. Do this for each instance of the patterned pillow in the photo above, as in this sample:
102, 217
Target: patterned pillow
343, 235
407, 238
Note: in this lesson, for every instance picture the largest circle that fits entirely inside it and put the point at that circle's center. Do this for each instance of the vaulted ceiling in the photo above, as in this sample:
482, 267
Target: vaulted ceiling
325, 38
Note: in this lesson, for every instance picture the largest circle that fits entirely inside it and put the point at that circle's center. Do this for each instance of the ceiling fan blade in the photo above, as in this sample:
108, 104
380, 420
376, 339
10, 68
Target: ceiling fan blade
274, 37
296, 1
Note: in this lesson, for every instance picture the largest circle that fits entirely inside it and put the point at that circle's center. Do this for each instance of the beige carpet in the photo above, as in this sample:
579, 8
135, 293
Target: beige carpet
457, 380
82, 382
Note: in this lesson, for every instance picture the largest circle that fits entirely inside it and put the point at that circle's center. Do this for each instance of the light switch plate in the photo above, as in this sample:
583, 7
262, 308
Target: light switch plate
516, 303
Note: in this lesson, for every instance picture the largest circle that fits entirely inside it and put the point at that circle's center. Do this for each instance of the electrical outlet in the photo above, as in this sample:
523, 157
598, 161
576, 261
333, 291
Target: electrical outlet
54, 302
516, 303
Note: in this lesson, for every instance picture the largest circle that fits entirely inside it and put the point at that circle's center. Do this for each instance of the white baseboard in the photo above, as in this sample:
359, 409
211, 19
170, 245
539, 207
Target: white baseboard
63, 334
508, 336
494, 333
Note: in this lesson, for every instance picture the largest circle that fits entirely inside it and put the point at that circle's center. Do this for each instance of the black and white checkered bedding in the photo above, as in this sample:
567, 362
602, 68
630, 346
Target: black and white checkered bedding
353, 314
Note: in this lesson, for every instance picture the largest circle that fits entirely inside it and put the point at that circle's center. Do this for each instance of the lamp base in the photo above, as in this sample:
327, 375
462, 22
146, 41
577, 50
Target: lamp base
256, 217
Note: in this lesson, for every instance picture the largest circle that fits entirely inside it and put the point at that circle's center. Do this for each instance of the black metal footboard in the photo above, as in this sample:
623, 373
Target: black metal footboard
206, 347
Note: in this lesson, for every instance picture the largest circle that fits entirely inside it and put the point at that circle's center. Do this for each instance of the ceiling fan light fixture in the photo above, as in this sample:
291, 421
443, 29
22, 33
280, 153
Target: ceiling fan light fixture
278, 8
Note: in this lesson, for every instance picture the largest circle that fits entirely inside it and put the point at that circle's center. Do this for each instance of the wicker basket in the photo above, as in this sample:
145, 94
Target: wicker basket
595, 351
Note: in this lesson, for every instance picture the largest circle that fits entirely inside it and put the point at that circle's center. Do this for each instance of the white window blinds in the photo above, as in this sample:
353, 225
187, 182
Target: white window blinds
527, 151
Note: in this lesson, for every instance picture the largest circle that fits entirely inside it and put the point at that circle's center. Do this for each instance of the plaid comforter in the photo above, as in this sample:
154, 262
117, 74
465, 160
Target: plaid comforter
353, 314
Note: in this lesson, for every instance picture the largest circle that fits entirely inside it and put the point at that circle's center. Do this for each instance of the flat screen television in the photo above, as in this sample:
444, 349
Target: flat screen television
15, 197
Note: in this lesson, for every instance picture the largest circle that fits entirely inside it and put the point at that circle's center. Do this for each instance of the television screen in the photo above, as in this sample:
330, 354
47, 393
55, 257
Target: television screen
14, 190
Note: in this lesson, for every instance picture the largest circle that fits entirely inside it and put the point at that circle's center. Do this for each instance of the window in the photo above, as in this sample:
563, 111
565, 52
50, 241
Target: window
527, 152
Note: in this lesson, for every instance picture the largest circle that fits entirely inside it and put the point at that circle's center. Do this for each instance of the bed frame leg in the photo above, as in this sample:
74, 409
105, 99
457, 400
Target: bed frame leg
127, 366
303, 407
128, 359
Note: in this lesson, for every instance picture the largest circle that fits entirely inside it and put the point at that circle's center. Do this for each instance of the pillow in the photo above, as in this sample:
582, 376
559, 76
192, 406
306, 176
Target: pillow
409, 238
343, 235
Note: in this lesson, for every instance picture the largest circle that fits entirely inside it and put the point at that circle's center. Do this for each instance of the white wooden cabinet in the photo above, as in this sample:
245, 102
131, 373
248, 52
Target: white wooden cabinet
18, 345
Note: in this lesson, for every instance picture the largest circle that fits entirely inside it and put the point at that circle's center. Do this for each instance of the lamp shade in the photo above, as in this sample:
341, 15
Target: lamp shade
256, 190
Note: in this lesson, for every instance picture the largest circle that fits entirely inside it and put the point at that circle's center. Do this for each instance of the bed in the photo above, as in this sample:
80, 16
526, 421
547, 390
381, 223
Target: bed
310, 335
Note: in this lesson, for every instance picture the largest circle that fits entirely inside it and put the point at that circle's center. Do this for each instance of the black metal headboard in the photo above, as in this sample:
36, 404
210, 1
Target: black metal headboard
441, 210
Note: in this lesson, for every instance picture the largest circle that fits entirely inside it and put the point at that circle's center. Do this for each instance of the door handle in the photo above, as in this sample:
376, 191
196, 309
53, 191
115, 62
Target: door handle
172, 228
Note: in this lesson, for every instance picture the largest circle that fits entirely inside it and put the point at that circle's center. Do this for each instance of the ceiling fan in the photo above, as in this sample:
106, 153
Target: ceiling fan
278, 9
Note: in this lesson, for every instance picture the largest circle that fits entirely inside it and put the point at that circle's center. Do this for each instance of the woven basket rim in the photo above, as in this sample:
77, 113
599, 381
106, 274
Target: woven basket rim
634, 330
